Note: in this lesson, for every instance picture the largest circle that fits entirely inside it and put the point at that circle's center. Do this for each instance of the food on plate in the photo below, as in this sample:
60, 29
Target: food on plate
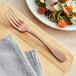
41, 9
62, 23
63, 12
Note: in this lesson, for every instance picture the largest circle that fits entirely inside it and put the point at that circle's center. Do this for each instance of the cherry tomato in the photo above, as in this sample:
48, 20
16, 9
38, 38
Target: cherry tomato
62, 23
67, 0
69, 9
41, 9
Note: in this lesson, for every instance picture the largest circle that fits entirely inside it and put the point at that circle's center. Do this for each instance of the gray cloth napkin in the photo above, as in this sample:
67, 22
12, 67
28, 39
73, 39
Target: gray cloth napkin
34, 60
13, 62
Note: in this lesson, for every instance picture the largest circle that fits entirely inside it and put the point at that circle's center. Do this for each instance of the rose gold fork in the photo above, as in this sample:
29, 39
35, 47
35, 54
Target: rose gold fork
21, 26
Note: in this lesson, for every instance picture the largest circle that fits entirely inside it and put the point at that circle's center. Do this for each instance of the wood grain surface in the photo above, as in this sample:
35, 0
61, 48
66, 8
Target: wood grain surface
51, 66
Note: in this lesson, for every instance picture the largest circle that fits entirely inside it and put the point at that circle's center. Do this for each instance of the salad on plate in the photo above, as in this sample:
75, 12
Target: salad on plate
63, 12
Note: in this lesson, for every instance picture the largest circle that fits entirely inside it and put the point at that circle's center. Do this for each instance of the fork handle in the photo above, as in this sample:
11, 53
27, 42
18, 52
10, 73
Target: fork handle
56, 53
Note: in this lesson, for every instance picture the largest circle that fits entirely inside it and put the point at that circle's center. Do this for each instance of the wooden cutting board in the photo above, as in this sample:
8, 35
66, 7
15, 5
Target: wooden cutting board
50, 65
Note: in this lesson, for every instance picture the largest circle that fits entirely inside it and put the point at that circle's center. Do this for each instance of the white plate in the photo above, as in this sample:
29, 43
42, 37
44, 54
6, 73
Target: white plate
33, 7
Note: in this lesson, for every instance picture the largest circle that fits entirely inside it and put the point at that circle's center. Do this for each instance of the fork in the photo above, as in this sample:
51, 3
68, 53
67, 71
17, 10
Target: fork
21, 26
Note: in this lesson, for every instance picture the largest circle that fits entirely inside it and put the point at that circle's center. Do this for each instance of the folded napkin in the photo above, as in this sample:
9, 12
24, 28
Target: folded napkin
13, 62
33, 58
